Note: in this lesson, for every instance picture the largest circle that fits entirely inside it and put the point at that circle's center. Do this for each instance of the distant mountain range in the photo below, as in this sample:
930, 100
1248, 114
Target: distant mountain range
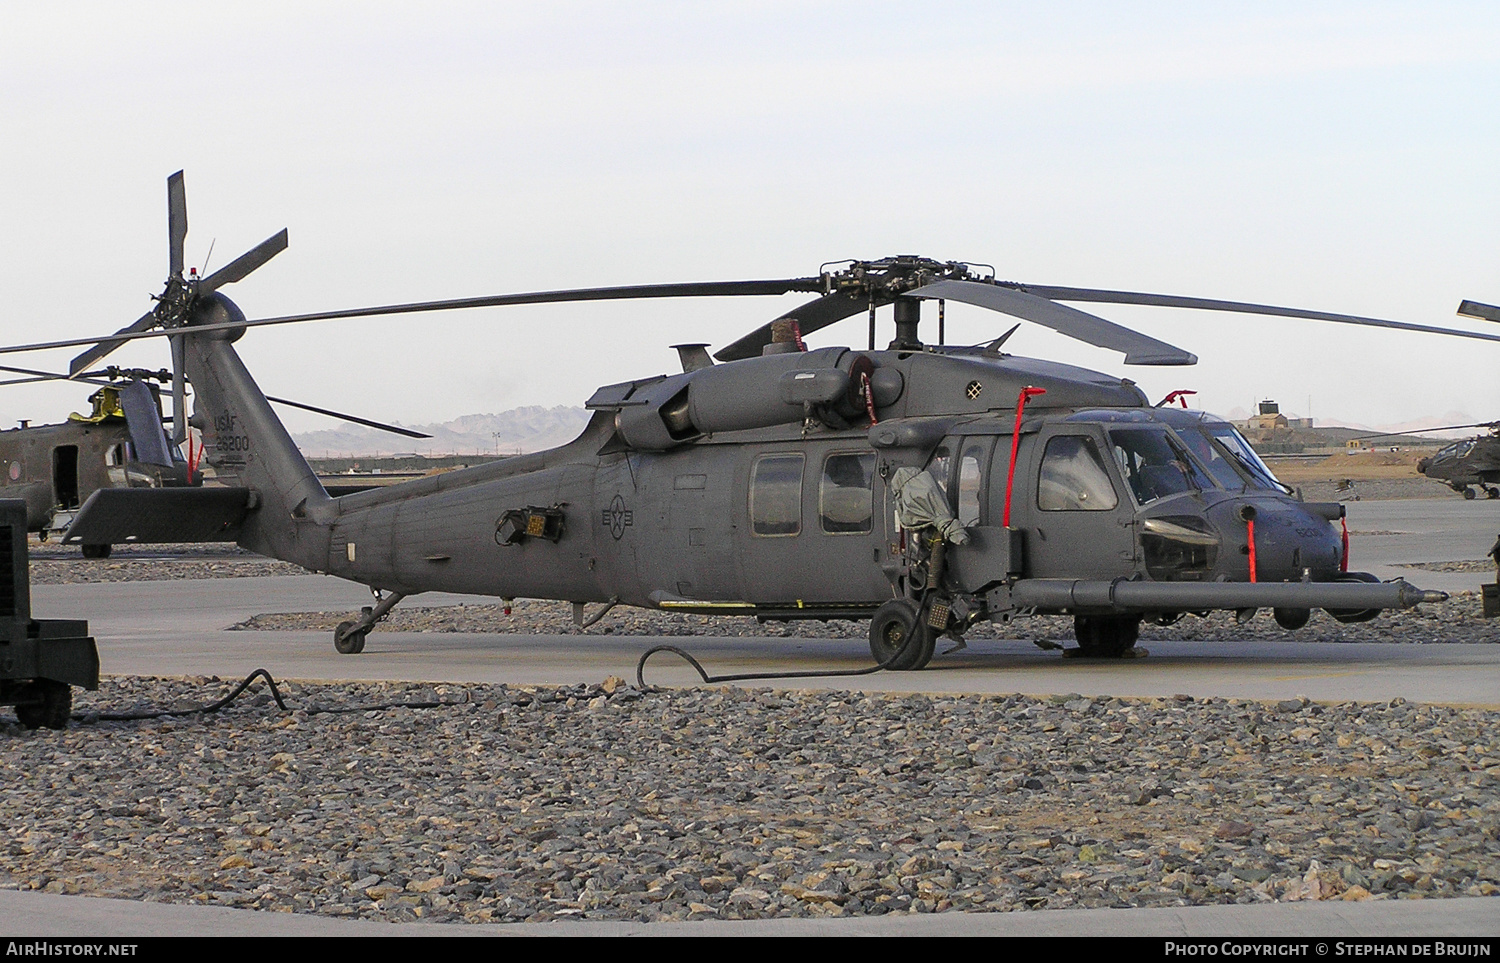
510, 432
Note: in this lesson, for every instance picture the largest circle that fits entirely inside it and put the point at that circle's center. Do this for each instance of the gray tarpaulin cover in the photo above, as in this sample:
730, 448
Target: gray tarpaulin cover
920, 503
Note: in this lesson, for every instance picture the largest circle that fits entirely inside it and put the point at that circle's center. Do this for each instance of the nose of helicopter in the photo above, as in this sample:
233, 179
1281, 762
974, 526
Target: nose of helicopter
1290, 540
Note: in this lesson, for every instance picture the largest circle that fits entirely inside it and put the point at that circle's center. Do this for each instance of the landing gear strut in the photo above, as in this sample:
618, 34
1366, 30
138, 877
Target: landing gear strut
349, 637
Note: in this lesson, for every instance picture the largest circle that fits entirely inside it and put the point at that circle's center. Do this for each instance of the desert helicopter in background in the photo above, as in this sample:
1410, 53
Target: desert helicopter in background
922, 487
120, 443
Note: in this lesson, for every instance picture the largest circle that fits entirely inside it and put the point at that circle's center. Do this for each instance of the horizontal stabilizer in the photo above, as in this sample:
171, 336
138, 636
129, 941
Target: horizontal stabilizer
120, 516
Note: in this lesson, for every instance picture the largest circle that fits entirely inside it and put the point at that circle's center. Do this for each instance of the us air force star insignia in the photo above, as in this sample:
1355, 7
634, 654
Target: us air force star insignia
973, 390
617, 519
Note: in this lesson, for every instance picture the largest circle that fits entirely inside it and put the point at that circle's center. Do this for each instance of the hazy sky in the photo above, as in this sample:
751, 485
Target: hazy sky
1337, 156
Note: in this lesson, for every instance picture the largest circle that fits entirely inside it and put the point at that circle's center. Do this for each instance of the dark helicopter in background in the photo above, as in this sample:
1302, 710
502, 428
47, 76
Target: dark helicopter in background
1470, 463
924, 487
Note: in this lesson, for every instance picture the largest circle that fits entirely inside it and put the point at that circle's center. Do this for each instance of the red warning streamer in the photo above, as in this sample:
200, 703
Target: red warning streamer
1344, 559
1250, 535
1026, 394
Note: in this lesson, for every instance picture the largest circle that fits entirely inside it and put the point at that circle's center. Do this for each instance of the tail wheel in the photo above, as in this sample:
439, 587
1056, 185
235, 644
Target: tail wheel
48, 705
1351, 616
1106, 636
348, 642
899, 638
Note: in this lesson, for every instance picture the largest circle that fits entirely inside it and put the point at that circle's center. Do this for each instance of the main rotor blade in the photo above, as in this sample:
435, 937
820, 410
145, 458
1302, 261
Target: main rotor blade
103, 348
1211, 304
810, 317
354, 418
237, 269
688, 290
1477, 309
45, 376
177, 225
1137, 347
1420, 431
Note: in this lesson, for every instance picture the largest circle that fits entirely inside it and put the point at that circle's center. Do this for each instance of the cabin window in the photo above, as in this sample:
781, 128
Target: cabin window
969, 484
776, 495
938, 467
846, 495
1074, 478
1156, 465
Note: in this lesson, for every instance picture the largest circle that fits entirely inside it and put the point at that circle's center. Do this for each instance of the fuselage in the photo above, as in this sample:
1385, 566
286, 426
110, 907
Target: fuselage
791, 515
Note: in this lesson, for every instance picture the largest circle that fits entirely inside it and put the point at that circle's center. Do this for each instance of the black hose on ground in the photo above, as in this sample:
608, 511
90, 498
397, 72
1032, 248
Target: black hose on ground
640, 668
240, 689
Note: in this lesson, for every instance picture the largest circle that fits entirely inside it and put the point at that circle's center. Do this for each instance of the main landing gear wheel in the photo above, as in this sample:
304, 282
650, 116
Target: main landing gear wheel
897, 633
1491, 491
48, 705
1351, 616
347, 642
1469, 494
96, 551
1106, 636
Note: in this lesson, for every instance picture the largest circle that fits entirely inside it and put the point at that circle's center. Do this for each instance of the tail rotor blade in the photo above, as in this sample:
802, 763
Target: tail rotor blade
87, 360
237, 269
177, 223
179, 393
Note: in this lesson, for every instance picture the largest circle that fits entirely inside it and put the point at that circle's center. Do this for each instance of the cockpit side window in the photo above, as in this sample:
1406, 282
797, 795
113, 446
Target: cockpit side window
1073, 477
1155, 464
1244, 457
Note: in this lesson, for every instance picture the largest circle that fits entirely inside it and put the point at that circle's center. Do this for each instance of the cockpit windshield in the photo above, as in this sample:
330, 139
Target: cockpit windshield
1233, 444
1155, 464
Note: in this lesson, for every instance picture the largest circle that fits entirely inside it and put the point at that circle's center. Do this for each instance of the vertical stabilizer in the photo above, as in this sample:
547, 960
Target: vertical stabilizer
248, 445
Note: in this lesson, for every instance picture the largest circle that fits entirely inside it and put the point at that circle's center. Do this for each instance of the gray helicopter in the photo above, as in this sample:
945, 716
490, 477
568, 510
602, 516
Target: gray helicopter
924, 487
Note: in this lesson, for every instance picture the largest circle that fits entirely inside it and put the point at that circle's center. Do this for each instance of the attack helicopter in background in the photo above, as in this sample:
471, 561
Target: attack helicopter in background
1471, 462
923, 487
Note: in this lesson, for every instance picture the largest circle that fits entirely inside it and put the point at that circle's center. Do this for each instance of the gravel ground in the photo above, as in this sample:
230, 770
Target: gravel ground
602, 801
1459, 619
53, 564
605, 802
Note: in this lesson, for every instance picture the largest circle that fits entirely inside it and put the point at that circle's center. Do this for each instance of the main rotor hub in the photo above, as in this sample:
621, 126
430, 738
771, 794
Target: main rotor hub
891, 277
175, 302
